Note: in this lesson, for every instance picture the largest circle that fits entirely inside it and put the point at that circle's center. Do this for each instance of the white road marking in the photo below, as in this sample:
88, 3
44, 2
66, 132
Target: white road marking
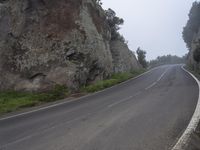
119, 102
150, 86
154, 83
162, 75
183, 140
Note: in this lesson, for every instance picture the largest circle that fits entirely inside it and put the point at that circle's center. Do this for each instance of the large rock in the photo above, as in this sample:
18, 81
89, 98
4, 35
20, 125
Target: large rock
195, 43
49, 42
124, 59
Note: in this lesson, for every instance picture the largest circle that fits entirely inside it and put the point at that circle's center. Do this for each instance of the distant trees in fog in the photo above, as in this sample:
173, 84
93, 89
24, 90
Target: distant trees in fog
167, 59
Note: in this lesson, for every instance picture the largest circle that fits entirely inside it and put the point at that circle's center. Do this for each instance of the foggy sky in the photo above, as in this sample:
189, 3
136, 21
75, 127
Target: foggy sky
154, 25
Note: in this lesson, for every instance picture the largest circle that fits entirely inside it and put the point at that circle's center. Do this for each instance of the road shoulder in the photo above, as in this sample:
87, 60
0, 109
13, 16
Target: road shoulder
190, 139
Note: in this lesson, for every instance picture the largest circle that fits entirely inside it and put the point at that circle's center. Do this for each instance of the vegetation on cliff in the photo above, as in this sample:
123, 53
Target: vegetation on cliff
191, 36
114, 23
193, 24
142, 57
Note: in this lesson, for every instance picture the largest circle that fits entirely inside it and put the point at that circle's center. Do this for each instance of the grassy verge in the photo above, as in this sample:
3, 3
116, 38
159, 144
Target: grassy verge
12, 101
113, 80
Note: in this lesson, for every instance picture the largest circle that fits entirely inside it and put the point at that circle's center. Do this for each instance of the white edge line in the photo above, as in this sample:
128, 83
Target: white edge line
76, 99
150, 86
154, 83
162, 75
183, 140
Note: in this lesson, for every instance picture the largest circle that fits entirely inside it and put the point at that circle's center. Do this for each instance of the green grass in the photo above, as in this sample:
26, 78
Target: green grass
11, 101
113, 80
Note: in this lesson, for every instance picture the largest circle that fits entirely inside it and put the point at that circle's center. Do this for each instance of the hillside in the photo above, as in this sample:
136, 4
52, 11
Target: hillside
44, 43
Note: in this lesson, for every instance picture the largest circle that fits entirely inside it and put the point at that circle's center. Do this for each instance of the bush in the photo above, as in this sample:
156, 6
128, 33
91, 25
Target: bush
142, 57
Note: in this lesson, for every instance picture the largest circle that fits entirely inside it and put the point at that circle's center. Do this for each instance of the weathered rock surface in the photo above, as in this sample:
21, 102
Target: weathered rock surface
195, 43
49, 42
191, 35
124, 60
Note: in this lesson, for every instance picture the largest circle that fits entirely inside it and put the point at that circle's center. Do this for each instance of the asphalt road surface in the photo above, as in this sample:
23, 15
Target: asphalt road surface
147, 113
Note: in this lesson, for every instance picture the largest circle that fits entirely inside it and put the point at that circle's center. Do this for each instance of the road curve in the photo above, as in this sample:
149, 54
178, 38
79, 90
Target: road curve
147, 113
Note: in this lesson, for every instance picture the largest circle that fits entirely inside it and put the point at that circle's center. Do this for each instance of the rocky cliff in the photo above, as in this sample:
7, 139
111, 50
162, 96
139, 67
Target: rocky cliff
124, 60
48, 42
191, 35
194, 45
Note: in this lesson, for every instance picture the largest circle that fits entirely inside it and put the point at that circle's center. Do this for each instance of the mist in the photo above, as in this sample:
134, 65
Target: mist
155, 26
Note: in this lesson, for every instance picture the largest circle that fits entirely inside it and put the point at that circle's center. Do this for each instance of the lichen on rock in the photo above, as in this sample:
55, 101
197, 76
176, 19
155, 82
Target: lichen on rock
46, 42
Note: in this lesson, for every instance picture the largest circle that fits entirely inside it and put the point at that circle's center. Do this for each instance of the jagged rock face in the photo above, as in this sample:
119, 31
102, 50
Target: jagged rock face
195, 43
49, 42
124, 59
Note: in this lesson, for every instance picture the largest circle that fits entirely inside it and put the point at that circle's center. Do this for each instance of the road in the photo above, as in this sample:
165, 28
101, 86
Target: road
147, 113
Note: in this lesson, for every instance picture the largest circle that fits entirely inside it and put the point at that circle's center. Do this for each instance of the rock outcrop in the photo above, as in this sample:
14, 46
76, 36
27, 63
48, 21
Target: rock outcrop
194, 45
49, 42
124, 60
191, 35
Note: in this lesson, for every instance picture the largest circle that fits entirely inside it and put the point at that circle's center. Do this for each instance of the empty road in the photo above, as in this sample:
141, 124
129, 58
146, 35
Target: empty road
147, 113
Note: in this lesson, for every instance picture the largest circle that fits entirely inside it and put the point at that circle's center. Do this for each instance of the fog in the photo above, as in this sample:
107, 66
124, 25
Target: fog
154, 25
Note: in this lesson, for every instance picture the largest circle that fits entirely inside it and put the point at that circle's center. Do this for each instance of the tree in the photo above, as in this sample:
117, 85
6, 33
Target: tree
196, 54
114, 22
193, 24
167, 59
142, 57
98, 2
